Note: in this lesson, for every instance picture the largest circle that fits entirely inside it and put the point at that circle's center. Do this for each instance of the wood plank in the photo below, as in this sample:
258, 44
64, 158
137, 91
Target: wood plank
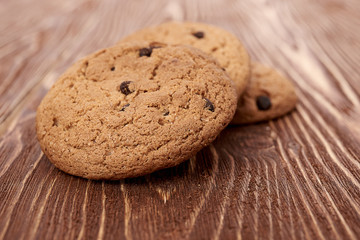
296, 177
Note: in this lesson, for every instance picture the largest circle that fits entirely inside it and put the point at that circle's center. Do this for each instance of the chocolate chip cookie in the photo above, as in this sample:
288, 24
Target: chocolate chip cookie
219, 43
134, 108
269, 95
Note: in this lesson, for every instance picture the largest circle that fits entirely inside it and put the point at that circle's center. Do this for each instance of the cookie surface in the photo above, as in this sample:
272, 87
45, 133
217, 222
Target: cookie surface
132, 109
219, 43
268, 95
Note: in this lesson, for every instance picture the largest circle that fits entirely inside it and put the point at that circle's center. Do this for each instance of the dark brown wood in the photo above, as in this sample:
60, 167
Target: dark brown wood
297, 177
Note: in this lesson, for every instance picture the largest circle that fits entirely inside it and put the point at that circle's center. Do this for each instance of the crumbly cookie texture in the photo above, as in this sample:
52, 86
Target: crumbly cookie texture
134, 108
219, 43
269, 95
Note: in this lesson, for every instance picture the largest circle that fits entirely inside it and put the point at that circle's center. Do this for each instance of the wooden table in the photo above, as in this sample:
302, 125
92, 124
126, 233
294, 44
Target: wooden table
297, 177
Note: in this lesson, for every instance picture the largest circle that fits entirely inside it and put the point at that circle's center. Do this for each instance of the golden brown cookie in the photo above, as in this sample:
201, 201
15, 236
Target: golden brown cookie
134, 108
219, 43
269, 95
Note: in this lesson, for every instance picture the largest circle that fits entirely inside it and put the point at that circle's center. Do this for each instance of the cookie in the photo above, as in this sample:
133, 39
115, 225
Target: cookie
219, 43
134, 108
269, 95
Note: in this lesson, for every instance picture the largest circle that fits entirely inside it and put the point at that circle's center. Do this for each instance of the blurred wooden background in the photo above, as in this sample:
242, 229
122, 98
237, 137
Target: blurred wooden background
297, 177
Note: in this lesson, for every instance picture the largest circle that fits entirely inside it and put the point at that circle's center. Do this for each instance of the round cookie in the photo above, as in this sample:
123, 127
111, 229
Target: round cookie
268, 95
219, 43
134, 108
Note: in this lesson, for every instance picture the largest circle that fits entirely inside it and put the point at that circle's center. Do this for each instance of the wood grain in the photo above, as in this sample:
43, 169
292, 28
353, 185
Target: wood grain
297, 177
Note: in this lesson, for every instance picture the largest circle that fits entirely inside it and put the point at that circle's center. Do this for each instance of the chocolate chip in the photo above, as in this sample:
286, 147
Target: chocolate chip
199, 34
263, 103
125, 106
145, 52
166, 113
124, 87
208, 105
55, 122
112, 69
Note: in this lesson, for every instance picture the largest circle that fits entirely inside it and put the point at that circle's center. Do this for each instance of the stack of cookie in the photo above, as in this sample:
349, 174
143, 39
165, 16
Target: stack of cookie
154, 100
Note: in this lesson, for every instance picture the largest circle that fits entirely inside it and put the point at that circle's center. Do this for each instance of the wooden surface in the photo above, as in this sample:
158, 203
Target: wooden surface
292, 178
